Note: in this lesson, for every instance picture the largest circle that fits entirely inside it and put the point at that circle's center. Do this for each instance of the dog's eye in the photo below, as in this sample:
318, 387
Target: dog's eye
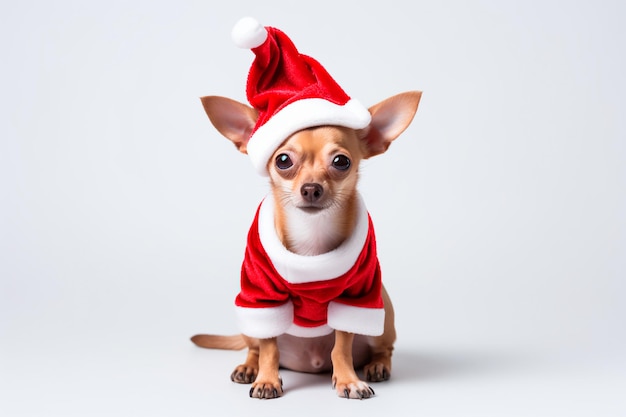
283, 161
341, 162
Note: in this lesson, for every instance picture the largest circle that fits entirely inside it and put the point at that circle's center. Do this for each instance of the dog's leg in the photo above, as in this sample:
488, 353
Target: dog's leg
379, 369
345, 379
267, 383
246, 372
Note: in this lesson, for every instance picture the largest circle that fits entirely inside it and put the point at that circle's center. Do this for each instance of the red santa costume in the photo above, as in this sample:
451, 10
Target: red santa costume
282, 292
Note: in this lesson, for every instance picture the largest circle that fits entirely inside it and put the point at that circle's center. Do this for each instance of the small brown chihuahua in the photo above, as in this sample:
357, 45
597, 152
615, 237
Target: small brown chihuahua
313, 179
311, 298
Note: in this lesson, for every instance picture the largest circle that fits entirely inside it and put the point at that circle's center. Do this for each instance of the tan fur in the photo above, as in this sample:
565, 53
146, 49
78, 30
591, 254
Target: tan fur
312, 151
315, 206
235, 342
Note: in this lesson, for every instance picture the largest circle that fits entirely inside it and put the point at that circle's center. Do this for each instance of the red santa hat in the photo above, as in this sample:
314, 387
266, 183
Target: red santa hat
291, 92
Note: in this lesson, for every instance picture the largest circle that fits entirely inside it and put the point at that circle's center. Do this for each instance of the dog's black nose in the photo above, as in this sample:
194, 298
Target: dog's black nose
311, 192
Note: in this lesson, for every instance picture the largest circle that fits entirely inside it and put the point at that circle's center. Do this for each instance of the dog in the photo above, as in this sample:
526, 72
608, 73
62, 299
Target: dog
314, 208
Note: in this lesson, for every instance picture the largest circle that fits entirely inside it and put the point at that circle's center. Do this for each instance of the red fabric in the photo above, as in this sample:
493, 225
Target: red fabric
263, 287
280, 75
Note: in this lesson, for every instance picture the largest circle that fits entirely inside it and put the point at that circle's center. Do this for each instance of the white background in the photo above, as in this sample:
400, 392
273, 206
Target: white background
500, 213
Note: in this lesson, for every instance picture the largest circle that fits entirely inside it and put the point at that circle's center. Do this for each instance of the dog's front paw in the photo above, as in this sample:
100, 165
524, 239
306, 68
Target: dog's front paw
377, 372
353, 389
267, 389
244, 374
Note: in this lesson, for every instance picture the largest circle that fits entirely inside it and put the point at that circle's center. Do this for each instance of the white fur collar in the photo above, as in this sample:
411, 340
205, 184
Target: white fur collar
298, 269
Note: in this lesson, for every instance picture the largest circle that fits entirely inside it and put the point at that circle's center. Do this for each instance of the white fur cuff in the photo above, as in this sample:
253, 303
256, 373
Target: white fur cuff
265, 322
358, 320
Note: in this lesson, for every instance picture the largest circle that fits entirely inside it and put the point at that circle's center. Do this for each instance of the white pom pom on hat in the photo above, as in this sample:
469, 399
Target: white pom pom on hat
248, 33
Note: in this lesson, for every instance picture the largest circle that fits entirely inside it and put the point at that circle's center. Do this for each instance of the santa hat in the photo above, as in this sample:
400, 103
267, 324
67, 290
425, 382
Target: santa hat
290, 91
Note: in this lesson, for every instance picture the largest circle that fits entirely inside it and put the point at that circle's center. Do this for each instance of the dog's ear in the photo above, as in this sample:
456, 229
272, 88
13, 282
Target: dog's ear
234, 120
390, 118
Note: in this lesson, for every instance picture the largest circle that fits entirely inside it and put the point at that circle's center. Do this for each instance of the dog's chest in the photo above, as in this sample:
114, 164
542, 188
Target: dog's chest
312, 234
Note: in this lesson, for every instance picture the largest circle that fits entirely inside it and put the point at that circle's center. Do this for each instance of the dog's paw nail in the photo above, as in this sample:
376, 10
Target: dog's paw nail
252, 392
366, 393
